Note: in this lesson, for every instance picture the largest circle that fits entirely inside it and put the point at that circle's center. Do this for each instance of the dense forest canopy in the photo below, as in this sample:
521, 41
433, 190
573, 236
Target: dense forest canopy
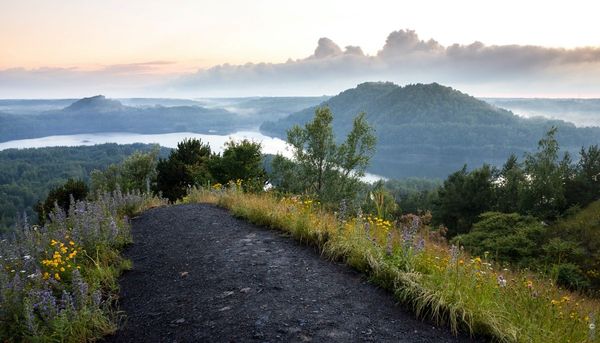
27, 175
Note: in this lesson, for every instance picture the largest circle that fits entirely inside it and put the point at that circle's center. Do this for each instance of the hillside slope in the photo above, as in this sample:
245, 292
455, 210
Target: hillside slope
429, 130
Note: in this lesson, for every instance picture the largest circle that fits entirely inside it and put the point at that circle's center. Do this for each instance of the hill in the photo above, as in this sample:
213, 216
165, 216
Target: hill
429, 130
99, 114
20, 119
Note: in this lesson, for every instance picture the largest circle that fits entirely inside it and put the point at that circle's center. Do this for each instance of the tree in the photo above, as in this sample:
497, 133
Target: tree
186, 166
136, 172
510, 185
240, 161
61, 197
463, 197
321, 167
544, 194
584, 187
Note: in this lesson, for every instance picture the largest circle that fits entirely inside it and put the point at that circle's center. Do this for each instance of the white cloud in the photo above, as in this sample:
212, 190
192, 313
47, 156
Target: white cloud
483, 70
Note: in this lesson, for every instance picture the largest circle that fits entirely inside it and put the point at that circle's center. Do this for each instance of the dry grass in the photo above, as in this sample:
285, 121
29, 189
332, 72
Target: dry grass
440, 283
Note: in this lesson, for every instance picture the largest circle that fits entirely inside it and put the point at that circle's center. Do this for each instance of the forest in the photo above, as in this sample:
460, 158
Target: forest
27, 175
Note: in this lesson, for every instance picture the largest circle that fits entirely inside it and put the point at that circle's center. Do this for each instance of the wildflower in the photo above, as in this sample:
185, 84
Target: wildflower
57, 276
501, 281
420, 245
529, 284
454, 253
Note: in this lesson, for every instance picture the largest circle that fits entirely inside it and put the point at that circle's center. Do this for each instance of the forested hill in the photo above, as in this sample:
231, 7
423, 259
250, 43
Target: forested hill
99, 114
430, 130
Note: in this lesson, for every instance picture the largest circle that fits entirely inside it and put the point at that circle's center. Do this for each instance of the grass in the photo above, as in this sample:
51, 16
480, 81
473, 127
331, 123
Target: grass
438, 282
58, 283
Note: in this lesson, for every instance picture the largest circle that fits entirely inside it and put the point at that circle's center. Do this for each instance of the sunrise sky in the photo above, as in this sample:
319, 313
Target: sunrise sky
73, 48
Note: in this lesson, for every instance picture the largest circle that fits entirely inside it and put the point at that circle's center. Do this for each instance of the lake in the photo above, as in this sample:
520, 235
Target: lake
270, 145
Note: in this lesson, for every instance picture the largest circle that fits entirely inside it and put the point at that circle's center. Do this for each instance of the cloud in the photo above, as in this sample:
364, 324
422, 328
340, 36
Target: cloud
524, 70
477, 68
143, 79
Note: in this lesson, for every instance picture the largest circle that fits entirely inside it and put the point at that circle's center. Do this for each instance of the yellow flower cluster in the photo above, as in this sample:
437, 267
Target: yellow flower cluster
62, 258
217, 186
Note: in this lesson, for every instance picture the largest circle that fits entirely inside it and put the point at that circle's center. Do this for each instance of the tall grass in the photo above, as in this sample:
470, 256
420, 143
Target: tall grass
440, 283
58, 282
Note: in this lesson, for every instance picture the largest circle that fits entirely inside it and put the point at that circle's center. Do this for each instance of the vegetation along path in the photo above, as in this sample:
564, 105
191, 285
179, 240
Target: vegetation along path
202, 275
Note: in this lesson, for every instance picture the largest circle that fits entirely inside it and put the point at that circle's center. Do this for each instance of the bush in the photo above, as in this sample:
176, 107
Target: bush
505, 237
61, 197
571, 277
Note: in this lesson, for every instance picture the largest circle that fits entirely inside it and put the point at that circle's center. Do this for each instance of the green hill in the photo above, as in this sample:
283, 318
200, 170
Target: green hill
429, 130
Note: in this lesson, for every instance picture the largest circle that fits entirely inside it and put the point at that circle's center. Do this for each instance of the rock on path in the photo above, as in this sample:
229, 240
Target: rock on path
201, 275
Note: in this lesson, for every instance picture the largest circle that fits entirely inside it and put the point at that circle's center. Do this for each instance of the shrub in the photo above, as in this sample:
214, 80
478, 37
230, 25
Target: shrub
61, 197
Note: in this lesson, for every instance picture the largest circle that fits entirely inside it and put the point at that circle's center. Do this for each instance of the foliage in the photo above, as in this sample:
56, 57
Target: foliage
543, 186
381, 203
27, 175
505, 237
583, 230
463, 197
240, 161
439, 282
414, 195
186, 166
61, 197
544, 192
58, 281
136, 172
323, 168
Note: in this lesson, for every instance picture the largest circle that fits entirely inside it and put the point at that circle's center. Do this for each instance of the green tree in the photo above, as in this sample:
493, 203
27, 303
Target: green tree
61, 197
186, 166
240, 161
321, 167
463, 197
509, 185
544, 194
584, 188
136, 172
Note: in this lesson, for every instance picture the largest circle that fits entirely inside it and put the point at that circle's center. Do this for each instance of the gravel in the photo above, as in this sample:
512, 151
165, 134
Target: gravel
201, 275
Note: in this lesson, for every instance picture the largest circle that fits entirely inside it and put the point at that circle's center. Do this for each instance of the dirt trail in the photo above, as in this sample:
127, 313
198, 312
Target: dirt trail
201, 275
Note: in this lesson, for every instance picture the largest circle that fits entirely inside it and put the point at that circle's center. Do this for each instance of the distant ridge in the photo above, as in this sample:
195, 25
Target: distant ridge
431, 130
98, 103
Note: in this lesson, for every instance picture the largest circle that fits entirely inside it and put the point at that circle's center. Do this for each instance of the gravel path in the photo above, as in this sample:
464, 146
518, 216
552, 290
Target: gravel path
201, 275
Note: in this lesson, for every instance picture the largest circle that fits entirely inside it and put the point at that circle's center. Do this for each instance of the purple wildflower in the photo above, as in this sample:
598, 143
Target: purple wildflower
44, 304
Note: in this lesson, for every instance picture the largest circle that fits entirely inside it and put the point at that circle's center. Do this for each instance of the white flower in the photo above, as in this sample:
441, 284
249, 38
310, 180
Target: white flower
27, 257
592, 326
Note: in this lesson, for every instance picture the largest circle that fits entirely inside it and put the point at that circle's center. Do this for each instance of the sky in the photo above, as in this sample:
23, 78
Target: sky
74, 48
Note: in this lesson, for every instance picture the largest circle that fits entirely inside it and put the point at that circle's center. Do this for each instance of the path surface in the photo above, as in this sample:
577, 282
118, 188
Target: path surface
201, 275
